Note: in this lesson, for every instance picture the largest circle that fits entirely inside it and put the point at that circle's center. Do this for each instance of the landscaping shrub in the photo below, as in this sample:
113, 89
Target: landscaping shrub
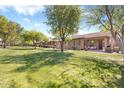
73, 48
116, 49
108, 49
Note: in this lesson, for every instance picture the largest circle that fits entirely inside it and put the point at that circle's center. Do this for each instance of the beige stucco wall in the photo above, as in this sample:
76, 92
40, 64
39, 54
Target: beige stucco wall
107, 41
79, 43
112, 42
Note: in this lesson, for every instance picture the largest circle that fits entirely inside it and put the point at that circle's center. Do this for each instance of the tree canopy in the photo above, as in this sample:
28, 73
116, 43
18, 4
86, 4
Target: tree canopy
9, 30
33, 37
63, 20
109, 18
13, 33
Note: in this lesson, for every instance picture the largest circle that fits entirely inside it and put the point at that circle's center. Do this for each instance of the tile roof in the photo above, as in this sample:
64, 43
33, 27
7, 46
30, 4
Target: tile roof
92, 35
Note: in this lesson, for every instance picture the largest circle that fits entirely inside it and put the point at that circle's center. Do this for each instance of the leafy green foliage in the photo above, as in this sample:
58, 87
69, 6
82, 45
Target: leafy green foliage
15, 29
109, 18
9, 31
32, 37
63, 20
3, 24
3, 29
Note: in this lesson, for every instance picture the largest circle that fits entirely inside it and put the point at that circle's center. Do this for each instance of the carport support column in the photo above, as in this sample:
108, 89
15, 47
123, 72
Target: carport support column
81, 43
106, 42
97, 44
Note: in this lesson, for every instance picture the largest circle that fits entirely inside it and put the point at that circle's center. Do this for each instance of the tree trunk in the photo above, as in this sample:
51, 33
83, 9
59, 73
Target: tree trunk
35, 45
62, 45
123, 47
4, 41
4, 44
123, 41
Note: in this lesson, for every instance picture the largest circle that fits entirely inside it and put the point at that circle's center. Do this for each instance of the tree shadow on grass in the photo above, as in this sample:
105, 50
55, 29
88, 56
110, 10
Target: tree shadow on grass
121, 81
23, 48
33, 62
111, 66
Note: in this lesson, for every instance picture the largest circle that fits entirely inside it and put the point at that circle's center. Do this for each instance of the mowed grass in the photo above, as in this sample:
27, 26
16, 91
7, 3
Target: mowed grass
36, 68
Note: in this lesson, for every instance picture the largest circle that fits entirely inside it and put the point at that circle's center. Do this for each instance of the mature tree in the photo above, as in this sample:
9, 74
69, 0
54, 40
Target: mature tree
3, 29
14, 30
45, 38
25, 37
109, 18
9, 31
33, 37
63, 20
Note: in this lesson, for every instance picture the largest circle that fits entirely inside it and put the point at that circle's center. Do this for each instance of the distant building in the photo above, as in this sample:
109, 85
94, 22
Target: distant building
92, 41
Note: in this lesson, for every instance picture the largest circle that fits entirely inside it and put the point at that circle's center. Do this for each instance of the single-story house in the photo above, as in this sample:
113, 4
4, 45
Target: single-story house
93, 41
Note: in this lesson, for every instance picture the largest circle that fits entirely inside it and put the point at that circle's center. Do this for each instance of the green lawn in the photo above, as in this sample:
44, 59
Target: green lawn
27, 67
